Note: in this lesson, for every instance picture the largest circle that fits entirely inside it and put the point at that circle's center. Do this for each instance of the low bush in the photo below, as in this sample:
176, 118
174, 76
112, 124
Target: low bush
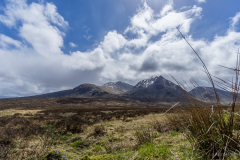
99, 129
143, 134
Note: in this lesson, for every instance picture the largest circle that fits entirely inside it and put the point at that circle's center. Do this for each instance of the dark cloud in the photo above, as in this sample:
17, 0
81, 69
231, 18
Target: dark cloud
149, 65
174, 67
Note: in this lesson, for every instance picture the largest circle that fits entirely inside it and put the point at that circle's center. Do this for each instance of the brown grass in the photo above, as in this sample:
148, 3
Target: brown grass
212, 131
28, 131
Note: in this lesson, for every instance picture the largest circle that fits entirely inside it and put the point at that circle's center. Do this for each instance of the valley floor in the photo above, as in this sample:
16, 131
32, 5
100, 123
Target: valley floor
66, 128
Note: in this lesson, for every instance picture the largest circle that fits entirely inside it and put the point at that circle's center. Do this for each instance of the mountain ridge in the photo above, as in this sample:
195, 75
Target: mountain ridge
208, 94
87, 90
153, 89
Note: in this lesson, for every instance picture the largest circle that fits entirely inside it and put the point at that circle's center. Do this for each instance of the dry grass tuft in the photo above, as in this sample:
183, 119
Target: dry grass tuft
143, 134
212, 132
99, 129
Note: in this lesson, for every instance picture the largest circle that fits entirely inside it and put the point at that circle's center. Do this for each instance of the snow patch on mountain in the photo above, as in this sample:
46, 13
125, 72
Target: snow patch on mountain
147, 82
109, 84
159, 79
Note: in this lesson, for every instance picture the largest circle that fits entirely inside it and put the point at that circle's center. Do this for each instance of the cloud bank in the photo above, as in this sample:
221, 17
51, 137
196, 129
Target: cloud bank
150, 45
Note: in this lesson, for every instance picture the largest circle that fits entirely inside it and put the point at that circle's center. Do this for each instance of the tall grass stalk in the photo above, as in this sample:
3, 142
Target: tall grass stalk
209, 127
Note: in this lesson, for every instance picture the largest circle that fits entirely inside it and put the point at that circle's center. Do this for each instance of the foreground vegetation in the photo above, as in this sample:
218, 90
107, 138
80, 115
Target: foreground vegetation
138, 131
112, 132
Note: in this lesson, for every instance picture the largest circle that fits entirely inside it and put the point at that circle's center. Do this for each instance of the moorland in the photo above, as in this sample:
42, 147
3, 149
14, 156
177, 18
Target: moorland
38, 128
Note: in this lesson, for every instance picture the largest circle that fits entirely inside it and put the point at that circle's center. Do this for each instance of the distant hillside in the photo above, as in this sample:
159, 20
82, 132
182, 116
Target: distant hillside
207, 93
108, 90
64, 93
155, 89
7, 97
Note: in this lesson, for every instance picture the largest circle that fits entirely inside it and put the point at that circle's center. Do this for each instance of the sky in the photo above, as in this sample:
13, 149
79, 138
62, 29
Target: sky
52, 45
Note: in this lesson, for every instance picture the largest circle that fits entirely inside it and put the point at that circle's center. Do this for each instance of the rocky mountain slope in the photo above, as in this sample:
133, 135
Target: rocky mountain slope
155, 89
207, 93
117, 87
88, 90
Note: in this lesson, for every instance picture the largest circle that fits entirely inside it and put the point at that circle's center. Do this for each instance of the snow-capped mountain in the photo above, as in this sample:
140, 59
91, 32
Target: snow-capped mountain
153, 80
156, 89
146, 82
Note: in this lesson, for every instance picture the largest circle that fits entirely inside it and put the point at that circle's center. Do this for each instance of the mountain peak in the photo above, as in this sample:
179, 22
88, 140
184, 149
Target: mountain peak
117, 83
147, 82
154, 77
156, 88
109, 84
117, 87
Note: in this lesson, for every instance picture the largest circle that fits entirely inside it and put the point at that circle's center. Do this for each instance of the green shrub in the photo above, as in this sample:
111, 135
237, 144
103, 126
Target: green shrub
79, 144
151, 151
173, 133
97, 148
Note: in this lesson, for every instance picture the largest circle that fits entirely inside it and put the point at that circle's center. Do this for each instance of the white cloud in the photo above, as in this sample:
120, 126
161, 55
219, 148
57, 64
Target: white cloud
45, 40
86, 60
143, 17
36, 28
234, 21
112, 42
72, 44
201, 1
6, 41
51, 12
167, 8
87, 37
146, 21
36, 64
